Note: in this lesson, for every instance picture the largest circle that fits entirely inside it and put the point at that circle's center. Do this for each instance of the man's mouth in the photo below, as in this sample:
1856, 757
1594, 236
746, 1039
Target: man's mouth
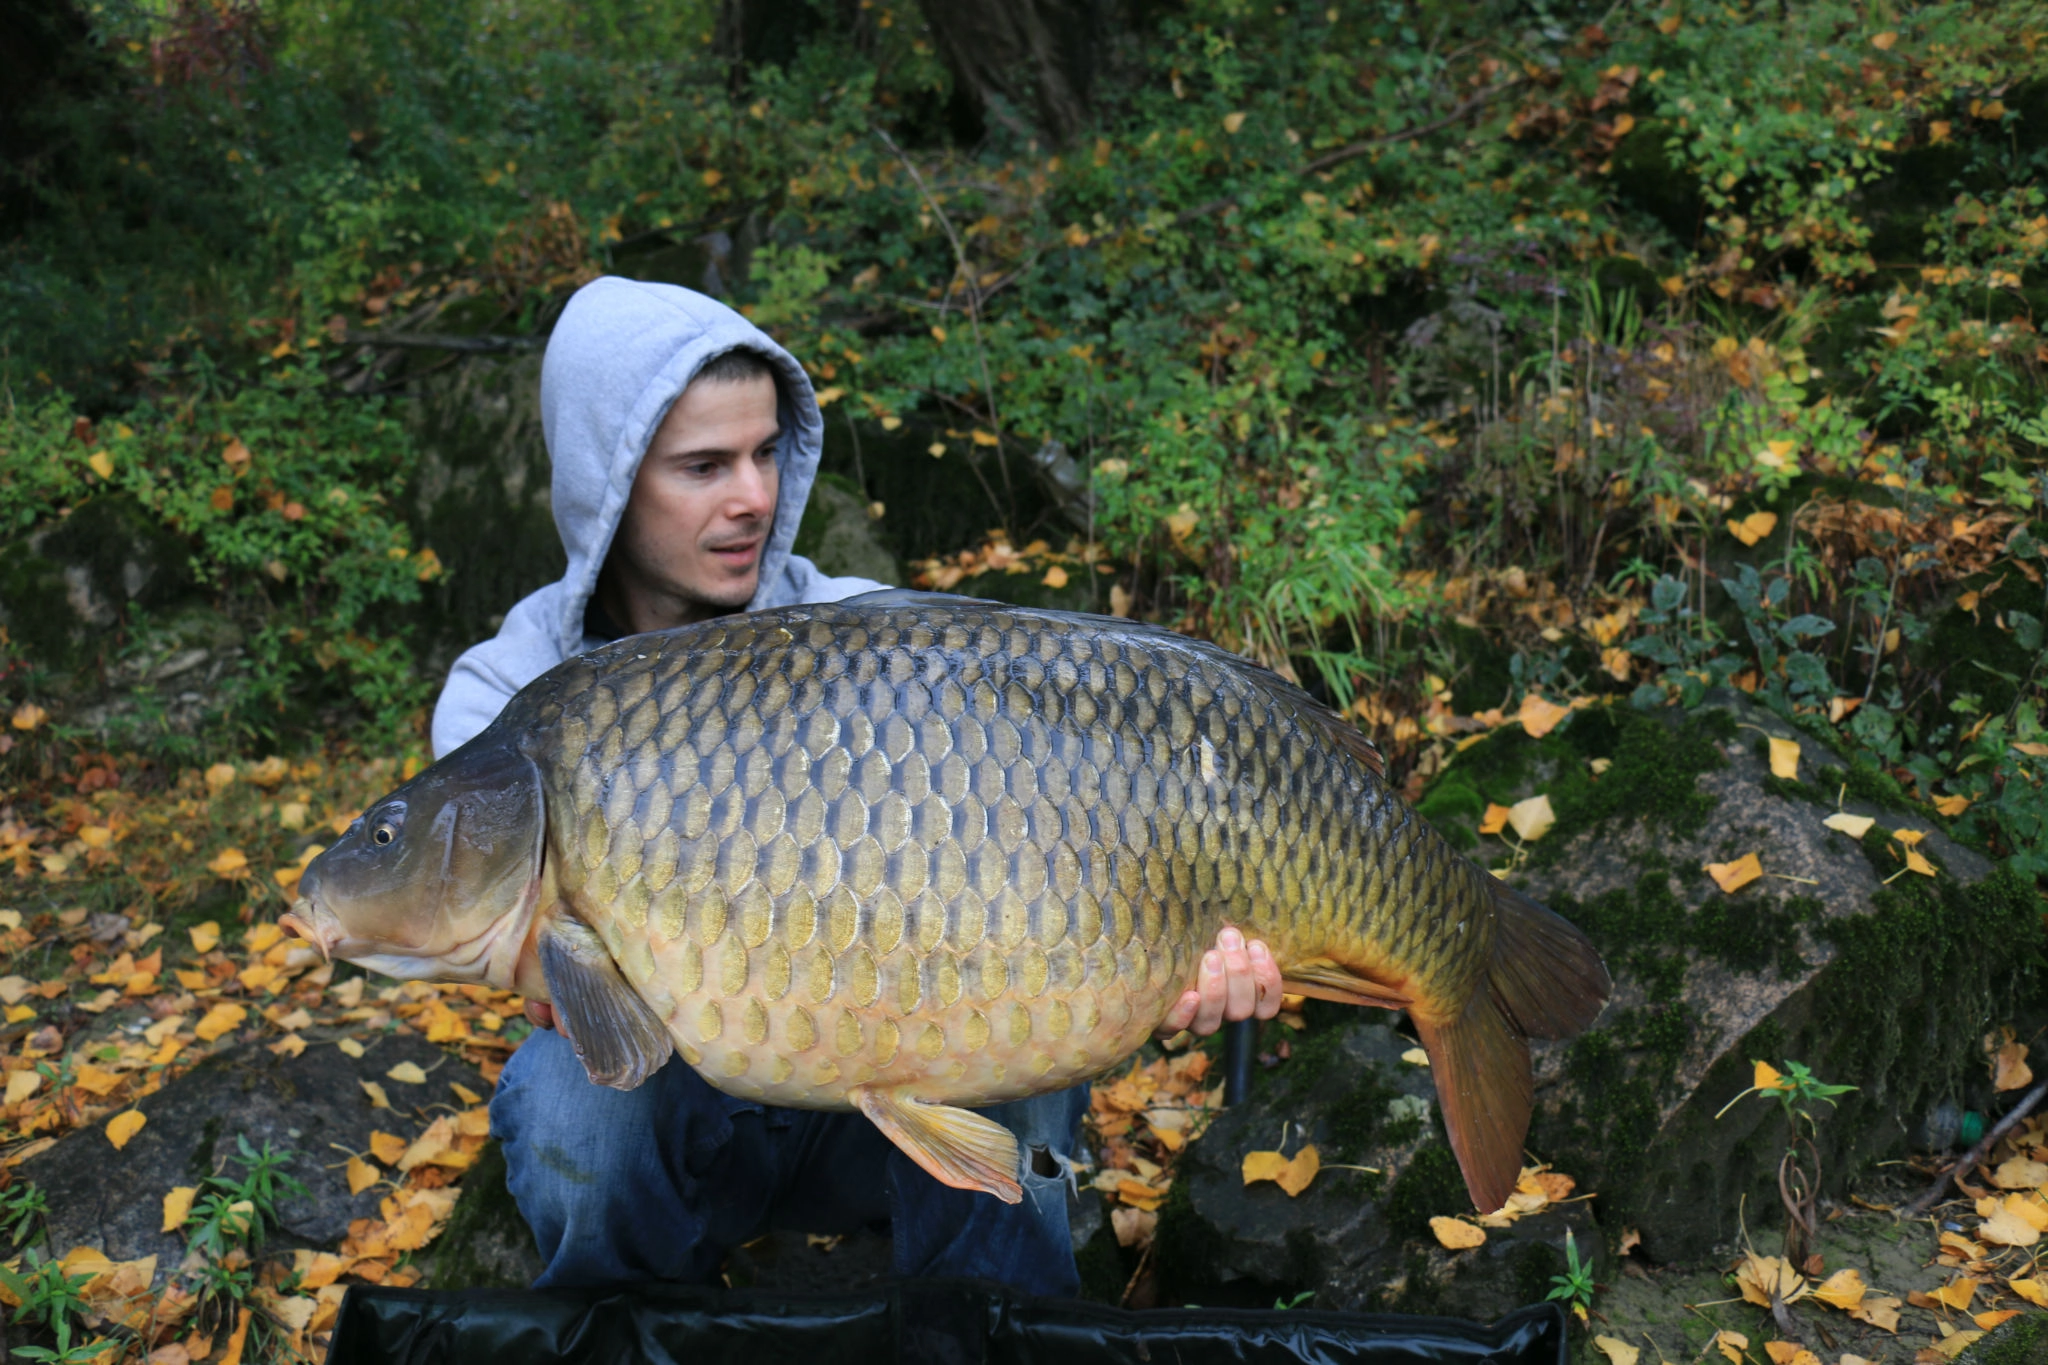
739, 554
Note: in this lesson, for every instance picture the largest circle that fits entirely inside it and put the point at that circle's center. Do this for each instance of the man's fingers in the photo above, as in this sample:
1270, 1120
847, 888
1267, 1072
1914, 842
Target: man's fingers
1240, 987
1180, 1016
540, 1014
1266, 972
1209, 1015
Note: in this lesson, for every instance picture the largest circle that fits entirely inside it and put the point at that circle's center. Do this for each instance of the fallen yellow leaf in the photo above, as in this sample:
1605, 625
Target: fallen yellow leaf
2020, 1173
1457, 1234
2030, 1289
222, 1018
1909, 837
1759, 1276
1955, 1343
220, 776
124, 1126
1785, 759
1844, 1290
28, 716
22, 1084
1786, 1353
1290, 1174
1951, 806
1495, 820
1415, 1056
1614, 1348
1855, 826
1732, 1345
361, 1175
261, 938
1767, 1077
1881, 1311
1532, 818
350, 1046
1883, 41
1232, 122
228, 863
387, 1147
408, 1072
378, 1099
231, 1354
1916, 863
1732, 877
178, 1206
1994, 1318
1055, 577
1958, 1294
464, 1093
1539, 717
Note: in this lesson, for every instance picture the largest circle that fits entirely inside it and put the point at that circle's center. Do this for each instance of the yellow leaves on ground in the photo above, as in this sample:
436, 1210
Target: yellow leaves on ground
1883, 41
1951, 806
1532, 818
1617, 1351
1855, 826
2020, 1173
1767, 1077
1754, 527
22, 1084
1917, 863
2031, 1289
2009, 1069
222, 1018
2018, 1220
1732, 877
1494, 820
1958, 1294
1233, 121
1785, 759
407, 1073
1459, 1235
387, 1147
1539, 717
1955, 1343
378, 1099
229, 863
1844, 1290
205, 937
1880, 1311
350, 1047
28, 716
178, 1207
1292, 1174
361, 1175
1760, 1277
1055, 577
1786, 1353
1731, 1345
124, 1126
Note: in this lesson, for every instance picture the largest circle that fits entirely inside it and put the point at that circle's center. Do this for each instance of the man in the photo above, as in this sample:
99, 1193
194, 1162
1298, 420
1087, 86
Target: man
684, 444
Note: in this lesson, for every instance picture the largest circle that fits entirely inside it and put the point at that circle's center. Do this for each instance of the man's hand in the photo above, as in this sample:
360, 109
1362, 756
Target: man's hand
1237, 981
540, 1014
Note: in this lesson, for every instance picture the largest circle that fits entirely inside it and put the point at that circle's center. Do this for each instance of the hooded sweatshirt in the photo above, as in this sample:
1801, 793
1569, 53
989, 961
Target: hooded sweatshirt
618, 359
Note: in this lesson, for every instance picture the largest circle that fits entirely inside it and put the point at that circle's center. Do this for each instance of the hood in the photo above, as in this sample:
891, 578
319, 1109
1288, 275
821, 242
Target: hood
618, 358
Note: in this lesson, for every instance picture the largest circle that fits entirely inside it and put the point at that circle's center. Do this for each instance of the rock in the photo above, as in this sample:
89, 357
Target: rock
312, 1104
486, 1244
1359, 1240
838, 534
1887, 987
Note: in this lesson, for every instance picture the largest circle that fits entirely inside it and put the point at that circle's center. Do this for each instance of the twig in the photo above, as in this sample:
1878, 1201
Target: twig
430, 341
1932, 1195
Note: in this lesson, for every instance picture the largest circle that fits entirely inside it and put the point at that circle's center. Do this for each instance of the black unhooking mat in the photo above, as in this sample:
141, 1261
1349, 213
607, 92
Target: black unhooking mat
915, 1322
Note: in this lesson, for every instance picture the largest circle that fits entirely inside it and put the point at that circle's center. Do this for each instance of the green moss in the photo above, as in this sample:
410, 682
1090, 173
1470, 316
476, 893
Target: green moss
1620, 1075
1359, 1121
1639, 926
1533, 1265
1430, 1185
1187, 1248
483, 1244
1101, 1263
2021, 1341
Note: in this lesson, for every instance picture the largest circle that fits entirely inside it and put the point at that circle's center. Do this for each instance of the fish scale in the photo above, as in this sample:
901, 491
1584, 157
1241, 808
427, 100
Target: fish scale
911, 853
1000, 867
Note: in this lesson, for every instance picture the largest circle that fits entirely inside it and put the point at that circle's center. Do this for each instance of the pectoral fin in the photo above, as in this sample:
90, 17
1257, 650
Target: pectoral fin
1325, 980
617, 1036
957, 1147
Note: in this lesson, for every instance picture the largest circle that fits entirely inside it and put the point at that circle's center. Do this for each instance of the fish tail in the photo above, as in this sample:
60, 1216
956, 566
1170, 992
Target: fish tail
1545, 980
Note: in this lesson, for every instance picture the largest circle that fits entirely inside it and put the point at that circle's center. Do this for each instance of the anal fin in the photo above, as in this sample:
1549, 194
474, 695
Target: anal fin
956, 1146
1325, 980
617, 1036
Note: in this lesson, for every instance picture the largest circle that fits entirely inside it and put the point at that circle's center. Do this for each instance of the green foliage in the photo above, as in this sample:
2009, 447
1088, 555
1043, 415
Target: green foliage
282, 493
1797, 1091
237, 1211
1575, 1287
50, 1298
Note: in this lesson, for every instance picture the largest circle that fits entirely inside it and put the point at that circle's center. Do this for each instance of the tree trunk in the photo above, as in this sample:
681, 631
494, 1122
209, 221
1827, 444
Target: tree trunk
1028, 63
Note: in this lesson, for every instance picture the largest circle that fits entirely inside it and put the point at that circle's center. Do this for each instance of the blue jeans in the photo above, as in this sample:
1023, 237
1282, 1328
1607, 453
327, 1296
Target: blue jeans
659, 1183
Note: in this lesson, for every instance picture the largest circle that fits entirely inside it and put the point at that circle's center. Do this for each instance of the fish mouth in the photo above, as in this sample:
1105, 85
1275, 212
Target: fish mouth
306, 926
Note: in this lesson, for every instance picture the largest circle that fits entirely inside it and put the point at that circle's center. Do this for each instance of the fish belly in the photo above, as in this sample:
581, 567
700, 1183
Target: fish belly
968, 856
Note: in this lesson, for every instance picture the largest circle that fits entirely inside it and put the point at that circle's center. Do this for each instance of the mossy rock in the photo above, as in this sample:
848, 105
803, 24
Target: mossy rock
486, 1244
840, 536
1359, 1239
1838, 957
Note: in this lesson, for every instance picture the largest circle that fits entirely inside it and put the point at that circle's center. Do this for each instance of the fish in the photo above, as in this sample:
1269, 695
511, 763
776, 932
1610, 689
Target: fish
911, 854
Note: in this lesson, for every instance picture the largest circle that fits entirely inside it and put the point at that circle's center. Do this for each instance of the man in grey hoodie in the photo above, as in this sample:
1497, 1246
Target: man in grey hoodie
684, 443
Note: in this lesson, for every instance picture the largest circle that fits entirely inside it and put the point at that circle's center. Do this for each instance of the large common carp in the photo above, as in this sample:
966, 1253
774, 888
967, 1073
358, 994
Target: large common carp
910, 852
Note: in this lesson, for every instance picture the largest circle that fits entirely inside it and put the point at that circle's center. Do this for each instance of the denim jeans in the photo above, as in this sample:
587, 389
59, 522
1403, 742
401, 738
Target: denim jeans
659, 1183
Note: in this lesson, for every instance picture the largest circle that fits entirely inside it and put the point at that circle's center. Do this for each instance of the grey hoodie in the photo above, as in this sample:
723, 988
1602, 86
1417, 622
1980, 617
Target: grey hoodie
621, 354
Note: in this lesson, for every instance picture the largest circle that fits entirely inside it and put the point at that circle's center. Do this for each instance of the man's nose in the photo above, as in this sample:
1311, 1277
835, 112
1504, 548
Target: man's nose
753, 490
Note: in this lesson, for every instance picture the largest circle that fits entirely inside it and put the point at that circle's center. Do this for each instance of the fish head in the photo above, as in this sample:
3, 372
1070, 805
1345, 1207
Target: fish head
438, 880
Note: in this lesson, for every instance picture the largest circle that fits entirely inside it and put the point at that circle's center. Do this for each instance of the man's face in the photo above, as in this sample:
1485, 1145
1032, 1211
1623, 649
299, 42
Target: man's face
703, 503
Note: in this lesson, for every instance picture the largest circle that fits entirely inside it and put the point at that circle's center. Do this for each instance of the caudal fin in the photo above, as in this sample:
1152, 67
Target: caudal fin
1545, 981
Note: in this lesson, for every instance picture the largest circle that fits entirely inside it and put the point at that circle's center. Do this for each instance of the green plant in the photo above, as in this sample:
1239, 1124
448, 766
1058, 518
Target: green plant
236, 1212
1283, 1303
23, 1209
1798, 1093
1575, 1287
49, 1297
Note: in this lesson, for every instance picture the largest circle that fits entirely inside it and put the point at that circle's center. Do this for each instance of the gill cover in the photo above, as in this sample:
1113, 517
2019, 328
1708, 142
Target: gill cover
439, 878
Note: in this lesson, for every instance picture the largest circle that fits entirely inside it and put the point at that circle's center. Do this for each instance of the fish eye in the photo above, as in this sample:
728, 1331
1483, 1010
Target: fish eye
389, 821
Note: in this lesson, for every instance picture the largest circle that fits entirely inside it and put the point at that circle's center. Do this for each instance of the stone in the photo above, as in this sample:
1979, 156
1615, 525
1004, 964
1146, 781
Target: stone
1360, 1240
1838, 957
312, 1104
486, 1244
838, 534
